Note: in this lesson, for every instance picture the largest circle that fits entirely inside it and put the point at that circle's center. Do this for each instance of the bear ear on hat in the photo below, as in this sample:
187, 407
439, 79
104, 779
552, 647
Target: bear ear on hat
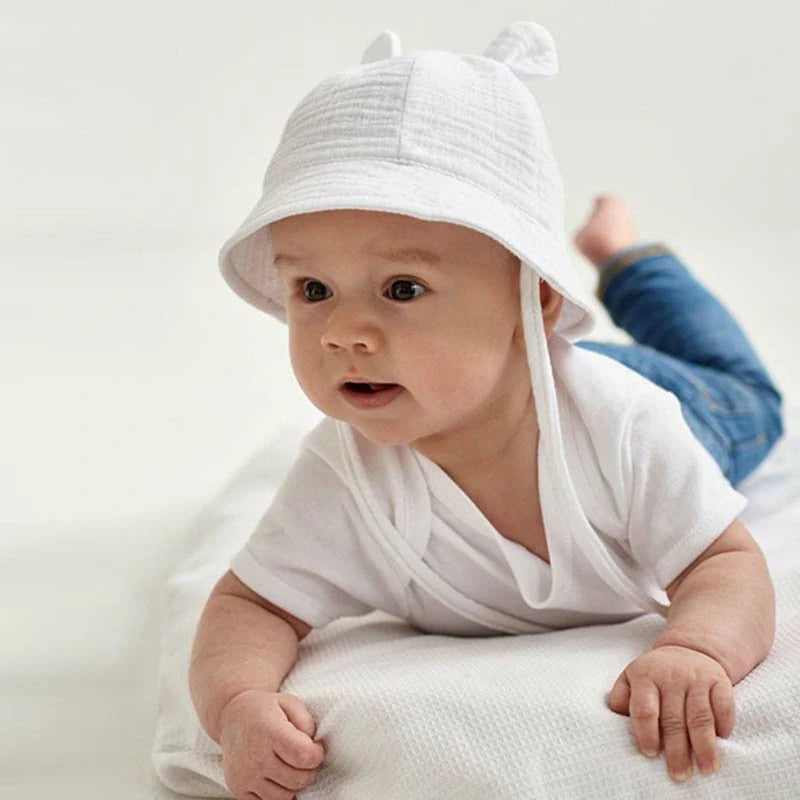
385, 45
527, 48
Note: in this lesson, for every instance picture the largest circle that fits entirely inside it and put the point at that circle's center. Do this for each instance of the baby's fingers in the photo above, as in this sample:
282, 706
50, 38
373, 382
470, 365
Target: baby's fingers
296, 749
702, 729
724, 707
643, 710
295, 745
676, 737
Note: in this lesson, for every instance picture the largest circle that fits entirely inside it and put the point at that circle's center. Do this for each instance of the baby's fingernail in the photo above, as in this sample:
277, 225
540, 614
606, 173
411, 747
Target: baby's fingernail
682, 776
651, 753
713, 768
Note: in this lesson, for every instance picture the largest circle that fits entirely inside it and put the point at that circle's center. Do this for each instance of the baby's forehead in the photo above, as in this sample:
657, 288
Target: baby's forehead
379, 232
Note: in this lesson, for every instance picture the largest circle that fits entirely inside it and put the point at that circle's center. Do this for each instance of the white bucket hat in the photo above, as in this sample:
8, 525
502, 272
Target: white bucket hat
441, 137
434, 135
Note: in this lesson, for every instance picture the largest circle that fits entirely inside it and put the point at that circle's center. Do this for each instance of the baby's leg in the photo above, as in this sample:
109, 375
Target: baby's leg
687, 342
650, 294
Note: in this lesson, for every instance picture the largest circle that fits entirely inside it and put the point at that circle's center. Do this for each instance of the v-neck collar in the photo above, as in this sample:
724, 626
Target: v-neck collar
532, 574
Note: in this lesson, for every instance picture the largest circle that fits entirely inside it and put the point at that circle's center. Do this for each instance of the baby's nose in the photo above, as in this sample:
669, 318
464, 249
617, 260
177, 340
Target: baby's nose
351, 330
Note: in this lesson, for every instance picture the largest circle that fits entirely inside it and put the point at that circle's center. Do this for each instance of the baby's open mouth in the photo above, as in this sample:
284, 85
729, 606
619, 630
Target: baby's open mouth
369, 388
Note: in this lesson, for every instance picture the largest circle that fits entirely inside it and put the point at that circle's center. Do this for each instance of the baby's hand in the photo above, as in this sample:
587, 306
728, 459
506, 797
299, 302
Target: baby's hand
689, 694
267, 749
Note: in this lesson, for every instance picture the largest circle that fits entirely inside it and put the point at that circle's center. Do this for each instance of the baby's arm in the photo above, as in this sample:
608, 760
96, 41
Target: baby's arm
243, 649
720, 625
242, 642
723, 604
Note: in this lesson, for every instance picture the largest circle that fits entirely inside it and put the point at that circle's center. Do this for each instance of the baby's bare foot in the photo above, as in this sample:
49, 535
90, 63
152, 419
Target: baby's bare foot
608, 229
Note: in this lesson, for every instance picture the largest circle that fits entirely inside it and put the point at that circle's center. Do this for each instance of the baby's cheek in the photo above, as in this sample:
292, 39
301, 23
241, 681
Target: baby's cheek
310, 375
461, 382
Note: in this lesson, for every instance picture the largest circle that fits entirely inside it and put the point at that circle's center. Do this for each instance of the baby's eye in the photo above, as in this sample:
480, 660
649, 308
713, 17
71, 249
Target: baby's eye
314, 291
405, 290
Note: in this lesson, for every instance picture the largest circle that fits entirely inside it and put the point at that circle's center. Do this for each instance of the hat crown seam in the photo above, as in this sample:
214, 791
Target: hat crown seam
402, 124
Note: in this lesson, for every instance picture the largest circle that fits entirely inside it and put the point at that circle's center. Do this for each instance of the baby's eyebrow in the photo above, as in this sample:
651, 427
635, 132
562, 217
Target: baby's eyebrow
403, 254
410, 253
285, 260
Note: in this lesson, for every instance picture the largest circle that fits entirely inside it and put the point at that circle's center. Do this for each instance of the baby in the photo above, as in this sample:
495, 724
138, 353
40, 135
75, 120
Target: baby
479, 469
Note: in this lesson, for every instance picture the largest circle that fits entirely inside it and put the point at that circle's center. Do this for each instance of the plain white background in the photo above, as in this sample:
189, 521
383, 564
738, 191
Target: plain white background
134, 382
135, 140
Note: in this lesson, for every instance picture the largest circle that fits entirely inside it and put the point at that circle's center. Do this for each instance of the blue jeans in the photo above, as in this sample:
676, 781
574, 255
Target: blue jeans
690, 345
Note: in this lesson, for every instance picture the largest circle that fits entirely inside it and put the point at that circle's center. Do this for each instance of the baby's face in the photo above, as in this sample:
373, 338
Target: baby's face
362, 307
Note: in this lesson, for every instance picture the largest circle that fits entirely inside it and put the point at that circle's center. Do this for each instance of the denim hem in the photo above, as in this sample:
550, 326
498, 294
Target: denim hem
623, 259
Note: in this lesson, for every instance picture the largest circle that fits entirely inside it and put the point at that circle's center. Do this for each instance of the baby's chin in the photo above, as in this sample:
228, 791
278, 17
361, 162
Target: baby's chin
381, 434
387, 432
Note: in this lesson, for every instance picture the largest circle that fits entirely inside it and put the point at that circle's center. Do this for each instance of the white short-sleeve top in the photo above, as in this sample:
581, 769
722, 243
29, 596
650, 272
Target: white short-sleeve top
358, 526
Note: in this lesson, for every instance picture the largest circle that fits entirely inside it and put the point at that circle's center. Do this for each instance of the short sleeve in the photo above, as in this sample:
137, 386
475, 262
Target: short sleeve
309, 553
679, 499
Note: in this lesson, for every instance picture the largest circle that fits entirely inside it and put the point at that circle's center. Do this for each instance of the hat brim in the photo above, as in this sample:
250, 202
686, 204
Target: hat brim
246, 260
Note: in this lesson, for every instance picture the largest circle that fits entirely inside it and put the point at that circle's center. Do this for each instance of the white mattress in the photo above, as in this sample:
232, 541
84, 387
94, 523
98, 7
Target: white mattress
409, 716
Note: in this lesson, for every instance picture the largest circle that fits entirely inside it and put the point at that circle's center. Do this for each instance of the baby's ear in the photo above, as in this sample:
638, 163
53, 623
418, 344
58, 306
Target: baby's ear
527, 48
552, 303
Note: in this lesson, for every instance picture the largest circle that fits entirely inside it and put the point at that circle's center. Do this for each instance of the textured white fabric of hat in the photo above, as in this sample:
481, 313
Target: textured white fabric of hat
442, 137
435, 135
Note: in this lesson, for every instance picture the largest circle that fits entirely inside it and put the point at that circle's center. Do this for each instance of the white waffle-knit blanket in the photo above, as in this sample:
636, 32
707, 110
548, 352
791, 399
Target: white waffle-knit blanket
408, 716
